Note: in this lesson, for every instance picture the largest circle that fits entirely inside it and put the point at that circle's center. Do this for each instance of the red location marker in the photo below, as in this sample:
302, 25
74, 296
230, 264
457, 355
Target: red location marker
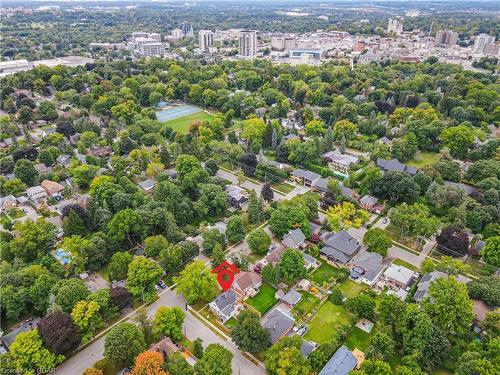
225, 274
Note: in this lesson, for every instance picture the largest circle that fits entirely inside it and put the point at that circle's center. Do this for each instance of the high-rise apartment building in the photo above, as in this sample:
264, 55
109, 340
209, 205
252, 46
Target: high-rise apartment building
187, 29
153, 49
481, 43
205, 40
446, 38
248, 43
394, 27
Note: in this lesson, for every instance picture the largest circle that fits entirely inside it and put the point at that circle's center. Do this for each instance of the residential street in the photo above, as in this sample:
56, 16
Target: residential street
193, 329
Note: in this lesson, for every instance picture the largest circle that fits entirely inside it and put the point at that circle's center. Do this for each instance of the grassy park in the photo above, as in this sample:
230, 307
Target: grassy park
181, 124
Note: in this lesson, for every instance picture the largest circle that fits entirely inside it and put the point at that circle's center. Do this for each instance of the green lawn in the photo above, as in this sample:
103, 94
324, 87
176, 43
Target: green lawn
423, 159
16, 213
264, 300
231, 323
352, 289
359, 339
326, 322
324, 273
306, 305
181, 124
283, 187
4, 220
410, 266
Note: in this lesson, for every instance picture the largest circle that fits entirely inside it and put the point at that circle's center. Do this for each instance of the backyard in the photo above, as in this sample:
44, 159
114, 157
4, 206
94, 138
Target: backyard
306, 305
352, 289
423, 159
326, 322
324, 273
359, 339
264, 300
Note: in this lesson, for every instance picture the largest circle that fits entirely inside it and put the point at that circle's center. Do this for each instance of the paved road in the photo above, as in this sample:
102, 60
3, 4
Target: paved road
193, 329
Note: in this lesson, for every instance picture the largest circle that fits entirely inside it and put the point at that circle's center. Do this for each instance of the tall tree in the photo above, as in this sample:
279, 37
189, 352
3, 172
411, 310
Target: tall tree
168, 321
216, 360
284, 357
197, 283
123, 343
142, 276
248, 334
449, 305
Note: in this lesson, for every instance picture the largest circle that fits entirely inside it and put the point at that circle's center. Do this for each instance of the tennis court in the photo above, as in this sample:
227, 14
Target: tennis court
176, 112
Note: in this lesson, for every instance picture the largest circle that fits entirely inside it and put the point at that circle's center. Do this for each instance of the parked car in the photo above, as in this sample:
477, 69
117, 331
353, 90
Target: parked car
162, 285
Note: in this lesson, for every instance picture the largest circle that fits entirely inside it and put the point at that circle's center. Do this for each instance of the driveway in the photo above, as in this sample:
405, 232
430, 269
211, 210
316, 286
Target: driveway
193, 329
247, 184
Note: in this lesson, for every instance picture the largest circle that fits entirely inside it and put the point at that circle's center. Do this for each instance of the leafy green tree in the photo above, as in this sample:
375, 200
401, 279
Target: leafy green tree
142, 276
413, 220
154, 245
344, 129
211, 238
73, 224
451, 308
83, 174
337, 296
292, 265
216, 360
271, 274
107, 309
86, 315
284, 357
26, 172
362, 305
373, 367
177, 364
235, 231
118, 267
212, 200
14, 301
289, 215
39, 292
34, 239
248, 334
197, 283
491, 251
255, 208
258, 241
458, 139
377, 240
126, 225
30, 356
168, 321
123, 343
381, 346
486, 288
69, 292
315, 127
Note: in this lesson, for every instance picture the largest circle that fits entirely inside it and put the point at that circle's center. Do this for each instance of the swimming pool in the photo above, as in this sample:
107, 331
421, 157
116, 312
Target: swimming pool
176, 112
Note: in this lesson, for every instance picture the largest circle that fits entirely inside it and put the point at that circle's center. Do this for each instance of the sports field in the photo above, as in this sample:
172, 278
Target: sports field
179, 118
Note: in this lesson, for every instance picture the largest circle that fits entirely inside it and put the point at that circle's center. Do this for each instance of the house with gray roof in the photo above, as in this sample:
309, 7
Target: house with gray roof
224, 305
278, 323
371, 264
294, 239
340, 247
386, 141
348, 192
425, 283
369, 203
310, 261
395, 165
291, 298
307, 348
305, 177
147, 185
340, 162
341, 363
322, 185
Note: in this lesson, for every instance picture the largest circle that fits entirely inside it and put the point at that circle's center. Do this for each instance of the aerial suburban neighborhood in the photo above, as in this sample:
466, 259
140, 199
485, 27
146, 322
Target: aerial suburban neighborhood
247, 188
